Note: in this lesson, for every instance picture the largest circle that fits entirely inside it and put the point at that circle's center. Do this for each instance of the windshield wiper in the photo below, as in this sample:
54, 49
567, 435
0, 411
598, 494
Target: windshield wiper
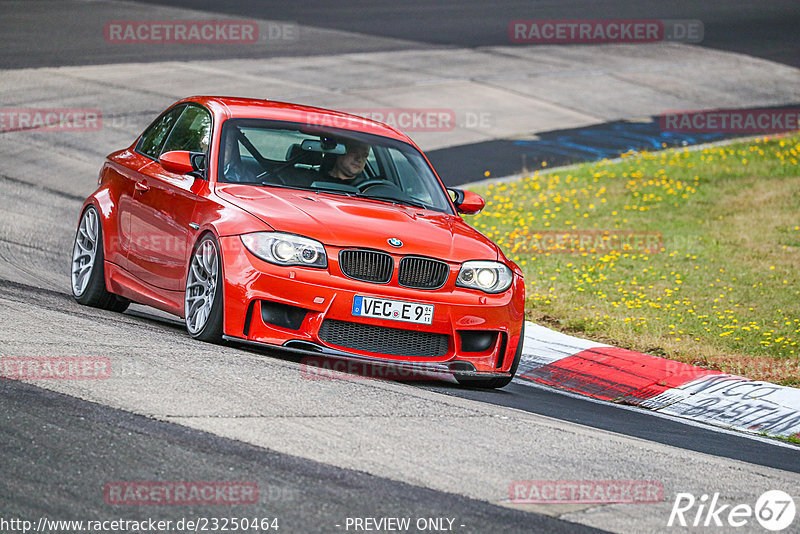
352, 194
395, 200
268, 184
283, 186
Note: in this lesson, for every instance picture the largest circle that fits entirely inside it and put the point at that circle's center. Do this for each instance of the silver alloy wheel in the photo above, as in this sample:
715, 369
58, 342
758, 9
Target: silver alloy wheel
201, 286
84, 252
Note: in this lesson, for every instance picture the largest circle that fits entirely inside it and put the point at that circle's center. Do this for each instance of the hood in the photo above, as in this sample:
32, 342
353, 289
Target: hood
342, 221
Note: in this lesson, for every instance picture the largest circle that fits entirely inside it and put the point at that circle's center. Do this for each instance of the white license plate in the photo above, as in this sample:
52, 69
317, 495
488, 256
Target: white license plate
394, 310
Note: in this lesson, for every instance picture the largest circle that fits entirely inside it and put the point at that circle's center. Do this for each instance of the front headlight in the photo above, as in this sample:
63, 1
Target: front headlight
286, 249
488, 276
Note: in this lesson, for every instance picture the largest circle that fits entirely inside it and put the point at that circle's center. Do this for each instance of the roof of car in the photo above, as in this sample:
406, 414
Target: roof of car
255, 108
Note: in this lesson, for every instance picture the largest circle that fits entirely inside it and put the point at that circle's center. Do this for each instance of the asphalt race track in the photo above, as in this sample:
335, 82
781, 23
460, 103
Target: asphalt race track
323, 451
765, 31
304, 495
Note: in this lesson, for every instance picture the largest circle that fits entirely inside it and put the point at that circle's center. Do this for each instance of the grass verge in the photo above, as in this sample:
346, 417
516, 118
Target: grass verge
691, 255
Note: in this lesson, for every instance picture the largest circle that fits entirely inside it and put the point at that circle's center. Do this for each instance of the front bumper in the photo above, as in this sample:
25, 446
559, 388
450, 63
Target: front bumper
253, 289
324, 362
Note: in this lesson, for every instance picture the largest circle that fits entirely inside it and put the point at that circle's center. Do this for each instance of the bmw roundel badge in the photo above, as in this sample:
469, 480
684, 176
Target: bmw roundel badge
395, 242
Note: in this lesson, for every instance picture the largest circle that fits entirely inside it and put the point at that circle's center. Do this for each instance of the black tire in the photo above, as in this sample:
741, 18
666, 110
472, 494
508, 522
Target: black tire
211, 329
501, 381
120, 304
95, 293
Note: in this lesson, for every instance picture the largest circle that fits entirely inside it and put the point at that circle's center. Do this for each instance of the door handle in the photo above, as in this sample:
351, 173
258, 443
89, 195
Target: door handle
142, 186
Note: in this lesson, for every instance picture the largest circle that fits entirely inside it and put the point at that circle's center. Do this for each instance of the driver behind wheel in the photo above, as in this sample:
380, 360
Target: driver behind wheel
349, 165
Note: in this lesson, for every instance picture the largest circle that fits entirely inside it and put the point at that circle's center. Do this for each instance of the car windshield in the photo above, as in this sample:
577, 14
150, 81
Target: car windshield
280, 154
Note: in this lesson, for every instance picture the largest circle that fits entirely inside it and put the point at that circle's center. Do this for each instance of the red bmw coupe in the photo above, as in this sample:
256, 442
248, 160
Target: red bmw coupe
300, 228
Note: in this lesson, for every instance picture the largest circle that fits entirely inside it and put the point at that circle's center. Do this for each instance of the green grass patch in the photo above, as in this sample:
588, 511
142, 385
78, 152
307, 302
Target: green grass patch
688, 254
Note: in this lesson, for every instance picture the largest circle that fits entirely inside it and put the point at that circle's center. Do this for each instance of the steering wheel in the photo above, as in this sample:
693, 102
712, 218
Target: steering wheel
363, 186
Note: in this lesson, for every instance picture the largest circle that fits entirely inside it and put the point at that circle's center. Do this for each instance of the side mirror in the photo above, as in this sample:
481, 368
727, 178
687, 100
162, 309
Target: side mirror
177, 162
467, 202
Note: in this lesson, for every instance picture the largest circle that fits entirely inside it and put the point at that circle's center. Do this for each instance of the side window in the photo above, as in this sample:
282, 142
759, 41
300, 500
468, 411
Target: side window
192, 131
153, 138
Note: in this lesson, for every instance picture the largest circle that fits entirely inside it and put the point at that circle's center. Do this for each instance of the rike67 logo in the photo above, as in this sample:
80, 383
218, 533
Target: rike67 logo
774, 510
